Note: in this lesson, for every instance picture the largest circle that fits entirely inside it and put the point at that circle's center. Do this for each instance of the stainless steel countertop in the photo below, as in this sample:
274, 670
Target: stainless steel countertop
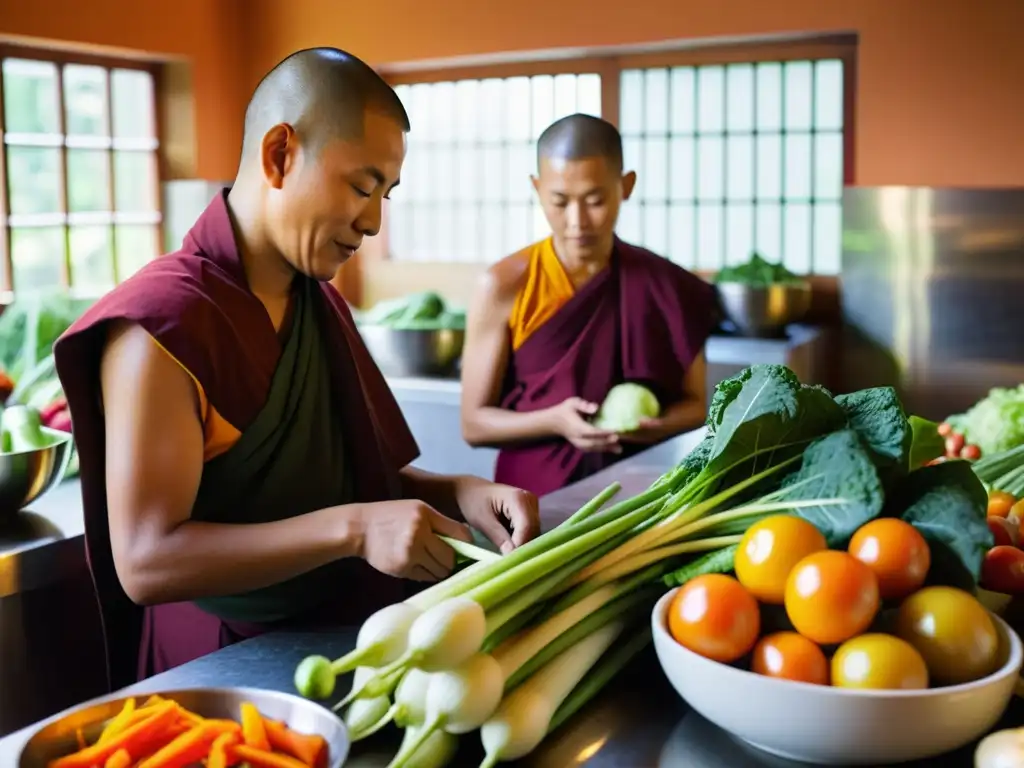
638, 721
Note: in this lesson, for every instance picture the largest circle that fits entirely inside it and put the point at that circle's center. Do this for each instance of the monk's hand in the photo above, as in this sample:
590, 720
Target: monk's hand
507, 516
649, 431
400, 538
570, 421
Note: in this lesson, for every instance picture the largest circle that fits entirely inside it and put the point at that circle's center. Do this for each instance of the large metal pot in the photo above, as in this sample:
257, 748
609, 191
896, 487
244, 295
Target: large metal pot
414, 352
765, 311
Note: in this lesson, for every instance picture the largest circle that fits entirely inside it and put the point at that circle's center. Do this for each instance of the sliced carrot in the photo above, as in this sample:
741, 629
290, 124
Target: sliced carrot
220, 756
311, 749
120, 759
162, 717
118, 723
253, 732
80, 738
259, 758
190, 747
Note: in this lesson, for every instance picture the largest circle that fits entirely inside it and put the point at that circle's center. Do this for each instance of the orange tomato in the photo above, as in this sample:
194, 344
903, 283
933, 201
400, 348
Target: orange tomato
790, 656
831, 596
1017, 512
769, 550
713, 615
878, 661
1000, 503
897, 553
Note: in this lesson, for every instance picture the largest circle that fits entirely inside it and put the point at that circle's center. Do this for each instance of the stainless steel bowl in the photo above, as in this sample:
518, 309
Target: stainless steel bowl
400, 352
57, 736
764, 311
27, 475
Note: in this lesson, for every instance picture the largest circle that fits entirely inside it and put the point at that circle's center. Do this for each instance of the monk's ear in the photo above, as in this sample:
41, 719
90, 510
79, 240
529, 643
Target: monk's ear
277, 153
628, 182
536, 184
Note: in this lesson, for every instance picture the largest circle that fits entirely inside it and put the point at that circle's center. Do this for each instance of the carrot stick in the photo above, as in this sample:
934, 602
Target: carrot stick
121, 721
310, 749
80, 738
120, 759
258, 758
253, 732
190, 747
220, 756
163, 717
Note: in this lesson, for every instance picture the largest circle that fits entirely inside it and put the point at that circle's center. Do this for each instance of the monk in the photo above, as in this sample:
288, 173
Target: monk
244, 465
554, 327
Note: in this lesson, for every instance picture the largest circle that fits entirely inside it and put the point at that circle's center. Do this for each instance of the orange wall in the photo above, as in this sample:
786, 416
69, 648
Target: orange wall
206, 33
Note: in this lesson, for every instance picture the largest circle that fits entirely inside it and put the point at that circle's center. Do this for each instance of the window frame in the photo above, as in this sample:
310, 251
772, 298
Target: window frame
60, 58
609, 63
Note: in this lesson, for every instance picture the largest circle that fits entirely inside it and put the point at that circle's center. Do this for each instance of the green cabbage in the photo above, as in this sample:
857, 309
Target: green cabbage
625, 406
995, 423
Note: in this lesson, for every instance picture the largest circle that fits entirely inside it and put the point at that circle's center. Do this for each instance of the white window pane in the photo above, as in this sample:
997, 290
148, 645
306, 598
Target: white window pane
518, 231
769, 232
683, 100
541, 229
739, 233
399, 231
656, 101
739, 92
490, 108
404, 94
798, 166
468, 243
493, 231
543, 103
739, 156
769, 97
628, 225
828, 95
710, 247
418, 176
682, 168
588, 95
828, 235
711, 99
493, 175
797, 246
828, 166
442, 111
446, 242
422, 235
467, 167
419, 110
711, 165
631, 101
769, 167
656, 227
655, 179
517, 108
632, 154
681, 235
799, 95
565, 95
519, 159
444, 173
466, 105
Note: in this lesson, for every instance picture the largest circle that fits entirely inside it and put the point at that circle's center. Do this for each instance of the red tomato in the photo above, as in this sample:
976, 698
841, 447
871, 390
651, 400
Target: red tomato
831, 596
954, 444
896, 552
1000, 503
1004, 532
790, 656
1003, 570
970, 452
945, 429
713, 615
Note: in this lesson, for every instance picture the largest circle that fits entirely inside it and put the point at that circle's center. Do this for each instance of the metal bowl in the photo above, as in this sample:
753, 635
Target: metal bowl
764, 311
401, 352
57, 736
27, 475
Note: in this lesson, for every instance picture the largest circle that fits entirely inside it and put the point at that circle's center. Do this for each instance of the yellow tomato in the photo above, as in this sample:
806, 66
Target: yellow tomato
880, 662
952, 631
769, 550
896, 552
790, 656
831, 596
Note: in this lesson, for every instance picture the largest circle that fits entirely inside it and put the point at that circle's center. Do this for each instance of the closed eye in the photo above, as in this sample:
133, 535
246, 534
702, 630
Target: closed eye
361, 192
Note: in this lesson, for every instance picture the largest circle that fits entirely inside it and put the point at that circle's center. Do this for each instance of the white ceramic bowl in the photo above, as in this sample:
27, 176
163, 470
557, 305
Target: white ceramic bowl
835, 726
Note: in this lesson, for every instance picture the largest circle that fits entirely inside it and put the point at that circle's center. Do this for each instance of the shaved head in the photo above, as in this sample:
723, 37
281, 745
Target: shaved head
581, 137
324, 94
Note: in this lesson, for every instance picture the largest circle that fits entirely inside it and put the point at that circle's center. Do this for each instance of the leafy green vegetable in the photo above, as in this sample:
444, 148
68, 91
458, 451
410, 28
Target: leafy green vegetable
425, 311
947, 504
31, 324
758, 272
878, 417
625, 406
927, 443
995, 423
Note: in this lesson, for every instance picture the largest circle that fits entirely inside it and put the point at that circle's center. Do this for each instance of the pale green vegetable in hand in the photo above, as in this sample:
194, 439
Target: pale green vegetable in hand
625, 407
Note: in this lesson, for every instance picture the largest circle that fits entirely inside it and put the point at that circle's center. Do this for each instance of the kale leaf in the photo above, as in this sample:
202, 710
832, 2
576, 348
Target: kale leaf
878, 417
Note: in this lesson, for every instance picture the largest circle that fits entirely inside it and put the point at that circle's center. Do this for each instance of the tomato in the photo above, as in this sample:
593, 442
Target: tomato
1000, 503
945, 429
1003, 531
1003, 569
713, 615
831, 596
769, 550
954, 444
879, 661
952, 631
896, 552
1017, 512
790, 656
970, 452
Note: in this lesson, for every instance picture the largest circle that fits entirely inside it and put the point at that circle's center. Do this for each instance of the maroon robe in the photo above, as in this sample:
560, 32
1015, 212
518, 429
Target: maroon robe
197, 305
644, 320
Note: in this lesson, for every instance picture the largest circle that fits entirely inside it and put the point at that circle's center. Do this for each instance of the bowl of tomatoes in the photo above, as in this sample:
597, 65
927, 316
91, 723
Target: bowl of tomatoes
837, 657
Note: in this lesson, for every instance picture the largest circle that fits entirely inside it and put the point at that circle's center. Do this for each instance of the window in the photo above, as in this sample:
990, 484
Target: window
736, 150
466, 192
79, 162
